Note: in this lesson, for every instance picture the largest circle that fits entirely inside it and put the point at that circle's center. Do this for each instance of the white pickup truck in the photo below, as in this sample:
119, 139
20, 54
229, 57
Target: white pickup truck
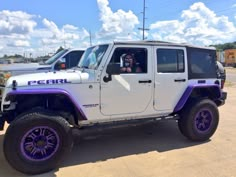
65, 59
119, 82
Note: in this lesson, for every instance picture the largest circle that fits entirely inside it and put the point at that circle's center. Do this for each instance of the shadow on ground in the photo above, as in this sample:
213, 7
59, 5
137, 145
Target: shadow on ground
114, 143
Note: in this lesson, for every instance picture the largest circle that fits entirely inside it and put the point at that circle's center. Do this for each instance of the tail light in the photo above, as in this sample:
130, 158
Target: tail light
222, 84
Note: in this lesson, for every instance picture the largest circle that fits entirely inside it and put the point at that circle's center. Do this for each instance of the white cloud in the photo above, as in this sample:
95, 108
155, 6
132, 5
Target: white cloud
19, 43
115, 25
197, 25
19, 34
67, 34
17, 22
16, 28
51, 26
70, 27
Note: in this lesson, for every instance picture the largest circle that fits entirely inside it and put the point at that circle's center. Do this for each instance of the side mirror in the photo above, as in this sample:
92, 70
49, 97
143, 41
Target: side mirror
60, 65
113, 69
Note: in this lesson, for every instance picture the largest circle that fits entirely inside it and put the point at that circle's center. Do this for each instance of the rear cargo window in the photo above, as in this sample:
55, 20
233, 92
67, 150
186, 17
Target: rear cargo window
202, 63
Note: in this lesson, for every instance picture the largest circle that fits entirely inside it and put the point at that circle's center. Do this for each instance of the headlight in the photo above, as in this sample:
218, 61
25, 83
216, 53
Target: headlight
4, 76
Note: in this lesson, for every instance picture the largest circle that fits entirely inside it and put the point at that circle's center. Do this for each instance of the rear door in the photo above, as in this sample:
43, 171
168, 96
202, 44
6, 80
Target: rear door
170, 77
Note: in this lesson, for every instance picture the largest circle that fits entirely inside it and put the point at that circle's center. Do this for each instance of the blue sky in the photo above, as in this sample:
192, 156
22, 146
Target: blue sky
40, 27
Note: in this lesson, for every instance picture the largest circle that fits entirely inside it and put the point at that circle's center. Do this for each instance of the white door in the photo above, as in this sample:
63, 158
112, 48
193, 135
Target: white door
129, 92
171, 77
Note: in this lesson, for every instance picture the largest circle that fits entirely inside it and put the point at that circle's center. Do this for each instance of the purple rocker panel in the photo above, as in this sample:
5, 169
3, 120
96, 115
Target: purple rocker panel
49, 91
188, 92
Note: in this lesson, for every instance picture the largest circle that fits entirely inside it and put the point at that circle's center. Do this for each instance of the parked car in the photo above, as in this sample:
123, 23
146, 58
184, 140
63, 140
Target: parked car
114, 84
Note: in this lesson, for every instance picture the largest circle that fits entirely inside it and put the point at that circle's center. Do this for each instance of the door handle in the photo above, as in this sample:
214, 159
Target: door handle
180, 80
145, 81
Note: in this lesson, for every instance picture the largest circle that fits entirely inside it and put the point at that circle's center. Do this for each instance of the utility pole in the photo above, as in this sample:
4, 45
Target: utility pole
144, 19
90, 38
64, 44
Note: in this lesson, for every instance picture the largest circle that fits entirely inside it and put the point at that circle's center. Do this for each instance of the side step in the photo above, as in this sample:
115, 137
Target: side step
124, 123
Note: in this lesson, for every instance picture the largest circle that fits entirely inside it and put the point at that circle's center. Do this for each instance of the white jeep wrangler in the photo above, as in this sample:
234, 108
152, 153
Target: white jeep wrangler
121, 82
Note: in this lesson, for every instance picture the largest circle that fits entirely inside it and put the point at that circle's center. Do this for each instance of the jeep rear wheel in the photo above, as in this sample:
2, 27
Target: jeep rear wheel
36, 142
199, 120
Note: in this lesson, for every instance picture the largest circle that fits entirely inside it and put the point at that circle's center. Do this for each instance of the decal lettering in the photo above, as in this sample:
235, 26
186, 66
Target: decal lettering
60, 81
90, 105
32, 83
48, 82
41, 82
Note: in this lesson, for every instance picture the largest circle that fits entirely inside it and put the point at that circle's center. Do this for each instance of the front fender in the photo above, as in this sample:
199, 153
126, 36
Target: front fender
44, 91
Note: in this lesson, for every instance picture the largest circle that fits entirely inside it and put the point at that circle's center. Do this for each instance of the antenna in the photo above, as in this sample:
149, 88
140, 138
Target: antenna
144, 19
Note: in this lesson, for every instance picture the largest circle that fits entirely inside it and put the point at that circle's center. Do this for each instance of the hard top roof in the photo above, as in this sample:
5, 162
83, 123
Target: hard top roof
160, 43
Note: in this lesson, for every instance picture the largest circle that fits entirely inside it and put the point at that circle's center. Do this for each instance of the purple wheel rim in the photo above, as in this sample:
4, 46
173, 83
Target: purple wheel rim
203, 120
39, 143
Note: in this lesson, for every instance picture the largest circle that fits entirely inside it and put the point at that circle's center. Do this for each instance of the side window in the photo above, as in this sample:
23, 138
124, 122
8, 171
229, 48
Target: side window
201, 62
170, 60
72, 58
131, 60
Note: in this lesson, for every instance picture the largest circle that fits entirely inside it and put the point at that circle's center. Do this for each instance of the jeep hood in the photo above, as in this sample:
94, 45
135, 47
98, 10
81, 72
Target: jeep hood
48, 78
24, 67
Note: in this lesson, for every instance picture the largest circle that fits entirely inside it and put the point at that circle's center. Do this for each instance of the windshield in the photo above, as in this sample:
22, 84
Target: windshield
55, 57
92, 57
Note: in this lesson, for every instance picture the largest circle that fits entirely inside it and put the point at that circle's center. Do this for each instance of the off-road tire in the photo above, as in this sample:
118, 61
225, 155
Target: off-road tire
41, 131
199, 120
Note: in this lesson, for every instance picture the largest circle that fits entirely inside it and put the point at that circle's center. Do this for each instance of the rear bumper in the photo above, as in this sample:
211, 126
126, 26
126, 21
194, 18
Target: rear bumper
2, 122
222, 98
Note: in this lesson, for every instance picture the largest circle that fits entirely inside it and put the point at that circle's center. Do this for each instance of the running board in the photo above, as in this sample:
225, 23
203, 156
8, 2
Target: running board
123, 123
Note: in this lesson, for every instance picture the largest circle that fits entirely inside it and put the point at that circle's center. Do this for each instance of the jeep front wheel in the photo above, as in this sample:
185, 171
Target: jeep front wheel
36, 142
199, 120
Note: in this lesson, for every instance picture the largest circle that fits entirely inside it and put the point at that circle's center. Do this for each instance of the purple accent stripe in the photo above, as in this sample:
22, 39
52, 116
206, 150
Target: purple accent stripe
49, 91
188, 92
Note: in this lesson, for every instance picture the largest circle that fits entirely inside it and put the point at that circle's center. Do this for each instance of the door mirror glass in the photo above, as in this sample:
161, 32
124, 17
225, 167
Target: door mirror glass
113, 69
60, 65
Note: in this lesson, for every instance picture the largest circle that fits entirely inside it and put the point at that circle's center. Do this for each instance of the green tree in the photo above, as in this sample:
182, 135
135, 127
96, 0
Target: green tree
60, 49
225, 46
